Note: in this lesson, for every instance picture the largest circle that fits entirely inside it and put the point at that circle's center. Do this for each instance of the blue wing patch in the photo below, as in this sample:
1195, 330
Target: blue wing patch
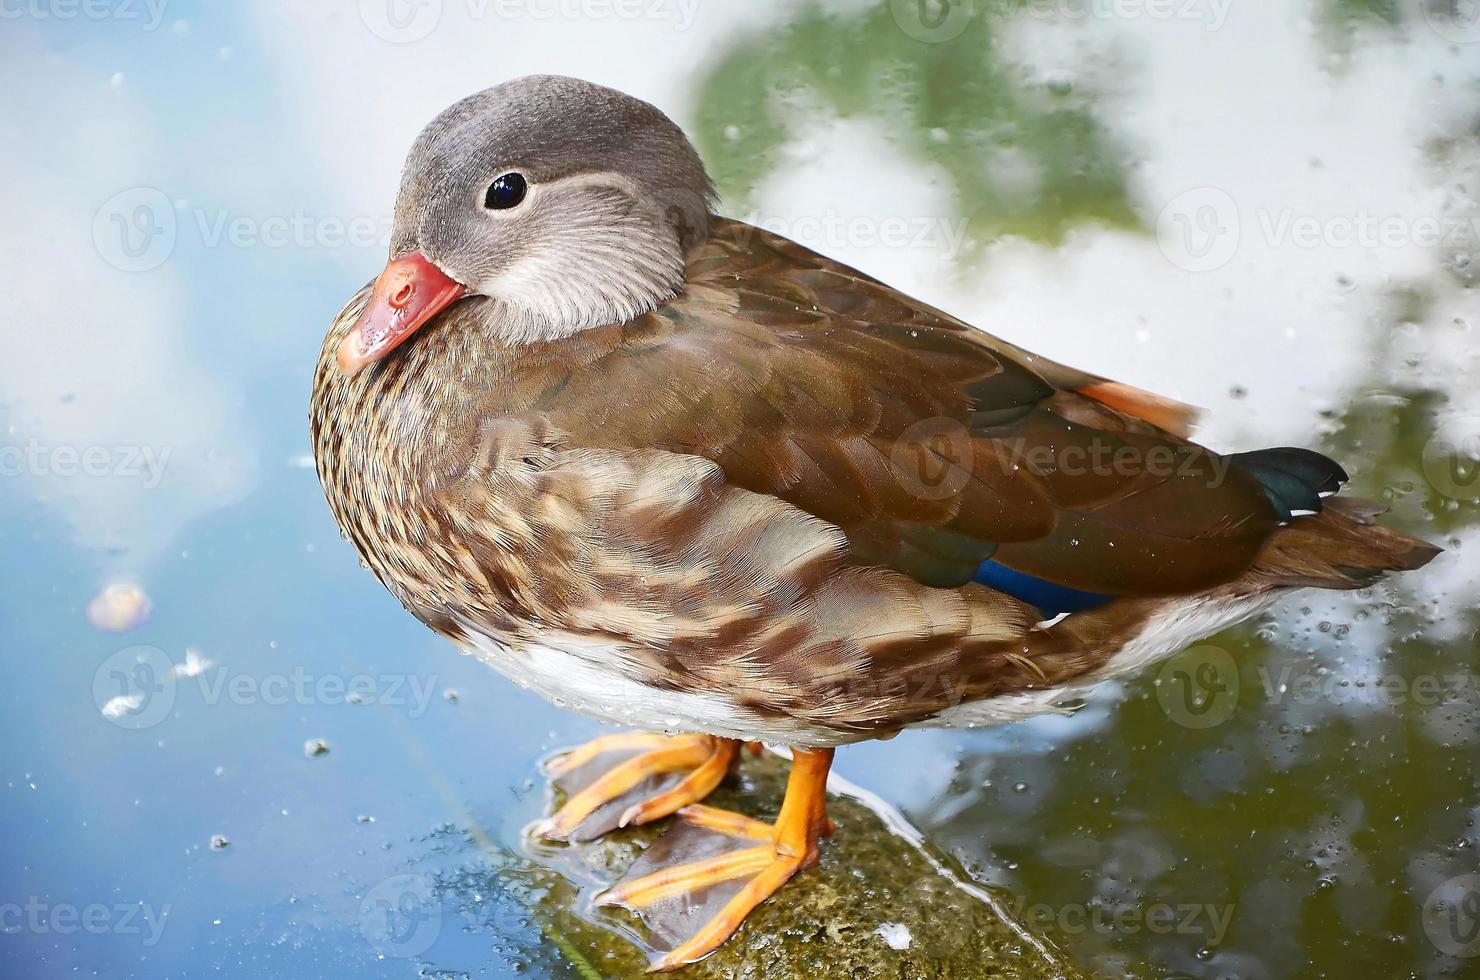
1052, 600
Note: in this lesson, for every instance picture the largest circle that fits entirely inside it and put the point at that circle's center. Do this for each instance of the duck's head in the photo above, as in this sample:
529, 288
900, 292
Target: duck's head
565, 204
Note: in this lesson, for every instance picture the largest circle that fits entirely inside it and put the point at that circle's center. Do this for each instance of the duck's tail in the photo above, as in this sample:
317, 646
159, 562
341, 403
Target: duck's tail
1329, 542
1341, 547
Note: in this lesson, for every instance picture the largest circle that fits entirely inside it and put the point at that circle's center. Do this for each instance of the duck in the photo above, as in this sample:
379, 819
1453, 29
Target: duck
698, 481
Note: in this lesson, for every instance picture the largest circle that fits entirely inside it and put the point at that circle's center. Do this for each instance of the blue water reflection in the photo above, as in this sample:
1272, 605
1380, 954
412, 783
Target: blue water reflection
193, 192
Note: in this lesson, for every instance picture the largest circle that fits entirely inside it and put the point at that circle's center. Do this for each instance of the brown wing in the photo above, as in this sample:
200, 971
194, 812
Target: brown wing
932, 446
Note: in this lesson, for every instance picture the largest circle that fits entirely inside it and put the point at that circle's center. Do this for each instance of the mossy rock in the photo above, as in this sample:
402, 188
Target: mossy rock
878, 906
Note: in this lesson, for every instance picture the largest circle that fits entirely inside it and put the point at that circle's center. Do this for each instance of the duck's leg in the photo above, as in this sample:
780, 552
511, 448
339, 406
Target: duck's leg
649, 775
765, 854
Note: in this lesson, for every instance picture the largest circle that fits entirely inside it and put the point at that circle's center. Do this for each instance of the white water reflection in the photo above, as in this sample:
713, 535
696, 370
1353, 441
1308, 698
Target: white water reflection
355, 99
1260, 117
111, 418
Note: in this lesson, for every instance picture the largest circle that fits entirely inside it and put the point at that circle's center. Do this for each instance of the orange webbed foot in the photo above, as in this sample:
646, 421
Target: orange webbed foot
633, 778
695, 885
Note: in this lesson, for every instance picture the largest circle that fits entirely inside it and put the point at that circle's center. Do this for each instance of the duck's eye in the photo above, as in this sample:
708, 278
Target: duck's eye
505, 192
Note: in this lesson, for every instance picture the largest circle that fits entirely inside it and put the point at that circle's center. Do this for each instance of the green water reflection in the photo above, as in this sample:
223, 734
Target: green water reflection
1303, 833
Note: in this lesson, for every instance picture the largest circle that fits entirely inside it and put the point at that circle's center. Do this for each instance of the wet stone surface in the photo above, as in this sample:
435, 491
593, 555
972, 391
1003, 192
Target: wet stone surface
876, 906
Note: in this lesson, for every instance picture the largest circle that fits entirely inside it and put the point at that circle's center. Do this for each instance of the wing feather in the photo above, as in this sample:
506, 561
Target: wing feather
931, 444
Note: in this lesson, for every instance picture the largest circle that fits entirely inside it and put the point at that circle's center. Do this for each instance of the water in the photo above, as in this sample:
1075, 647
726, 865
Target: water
1267, 212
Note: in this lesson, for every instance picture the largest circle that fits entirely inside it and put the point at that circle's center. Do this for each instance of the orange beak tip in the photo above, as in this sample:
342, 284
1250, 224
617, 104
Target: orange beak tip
410, 292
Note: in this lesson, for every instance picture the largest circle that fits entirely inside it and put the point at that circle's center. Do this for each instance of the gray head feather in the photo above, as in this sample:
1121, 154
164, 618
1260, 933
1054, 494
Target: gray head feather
616, 198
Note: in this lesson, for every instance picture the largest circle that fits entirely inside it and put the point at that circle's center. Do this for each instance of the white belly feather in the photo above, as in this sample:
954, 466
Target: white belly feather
584, 676
1168, 632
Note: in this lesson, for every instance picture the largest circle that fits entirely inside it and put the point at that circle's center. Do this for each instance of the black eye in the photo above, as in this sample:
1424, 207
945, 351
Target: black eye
505, 192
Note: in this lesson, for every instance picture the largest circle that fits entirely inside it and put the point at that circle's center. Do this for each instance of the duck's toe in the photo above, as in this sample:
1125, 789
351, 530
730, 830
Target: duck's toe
633, 778
697, 883
694, 887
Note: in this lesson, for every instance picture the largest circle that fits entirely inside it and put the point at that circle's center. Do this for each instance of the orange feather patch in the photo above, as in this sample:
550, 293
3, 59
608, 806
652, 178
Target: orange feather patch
1165, 413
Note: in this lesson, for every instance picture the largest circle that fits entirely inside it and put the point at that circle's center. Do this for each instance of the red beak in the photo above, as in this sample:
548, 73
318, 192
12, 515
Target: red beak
408, 293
